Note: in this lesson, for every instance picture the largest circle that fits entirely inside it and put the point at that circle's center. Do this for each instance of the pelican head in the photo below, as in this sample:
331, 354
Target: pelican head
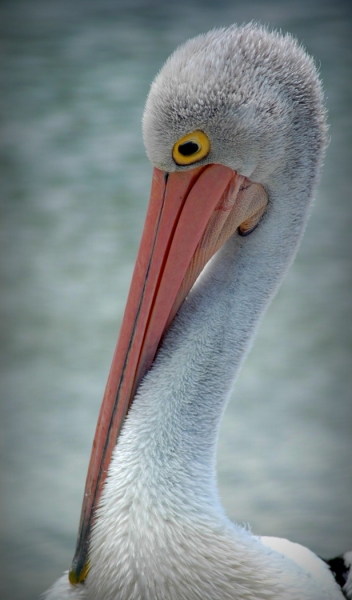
255, 94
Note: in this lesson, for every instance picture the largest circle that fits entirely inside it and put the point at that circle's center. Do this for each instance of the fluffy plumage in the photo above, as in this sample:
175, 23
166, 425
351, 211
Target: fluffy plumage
255, 93
161, 532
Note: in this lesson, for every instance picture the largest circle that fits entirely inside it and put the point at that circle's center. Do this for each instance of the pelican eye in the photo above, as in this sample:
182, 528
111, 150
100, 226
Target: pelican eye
191, 148
188, 148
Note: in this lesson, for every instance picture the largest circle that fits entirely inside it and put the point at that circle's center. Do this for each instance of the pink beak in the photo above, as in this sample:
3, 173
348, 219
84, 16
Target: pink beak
190, 215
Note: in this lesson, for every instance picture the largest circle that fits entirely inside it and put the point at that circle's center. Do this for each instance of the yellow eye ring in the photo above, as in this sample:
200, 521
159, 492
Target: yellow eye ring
191, 148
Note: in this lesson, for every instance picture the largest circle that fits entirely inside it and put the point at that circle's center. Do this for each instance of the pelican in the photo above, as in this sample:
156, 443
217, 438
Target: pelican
235, 128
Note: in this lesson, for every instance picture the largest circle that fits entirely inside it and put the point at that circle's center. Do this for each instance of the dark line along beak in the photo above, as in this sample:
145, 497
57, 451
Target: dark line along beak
190, 215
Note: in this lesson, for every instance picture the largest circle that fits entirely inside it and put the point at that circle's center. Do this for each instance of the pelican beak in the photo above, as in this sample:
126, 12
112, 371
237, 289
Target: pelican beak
190, 215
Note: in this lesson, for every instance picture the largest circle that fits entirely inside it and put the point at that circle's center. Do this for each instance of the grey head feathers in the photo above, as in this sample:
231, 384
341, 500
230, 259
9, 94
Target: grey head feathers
255, 93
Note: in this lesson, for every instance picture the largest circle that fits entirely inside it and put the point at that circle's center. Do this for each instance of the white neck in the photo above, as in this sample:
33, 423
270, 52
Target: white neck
177, 412
163, 469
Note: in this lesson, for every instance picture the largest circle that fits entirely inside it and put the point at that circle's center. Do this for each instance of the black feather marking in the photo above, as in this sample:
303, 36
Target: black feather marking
339, 570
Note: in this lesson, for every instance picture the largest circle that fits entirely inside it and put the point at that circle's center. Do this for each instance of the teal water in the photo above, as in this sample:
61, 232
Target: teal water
74, 187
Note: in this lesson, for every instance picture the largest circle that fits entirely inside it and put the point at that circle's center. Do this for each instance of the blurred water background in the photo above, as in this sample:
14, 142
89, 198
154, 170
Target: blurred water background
74, 187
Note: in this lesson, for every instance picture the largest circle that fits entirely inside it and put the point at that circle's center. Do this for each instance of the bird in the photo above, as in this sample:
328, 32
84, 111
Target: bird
235, 127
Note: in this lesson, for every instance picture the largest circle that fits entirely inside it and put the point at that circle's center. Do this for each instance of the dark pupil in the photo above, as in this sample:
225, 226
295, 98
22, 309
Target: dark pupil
188, 148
